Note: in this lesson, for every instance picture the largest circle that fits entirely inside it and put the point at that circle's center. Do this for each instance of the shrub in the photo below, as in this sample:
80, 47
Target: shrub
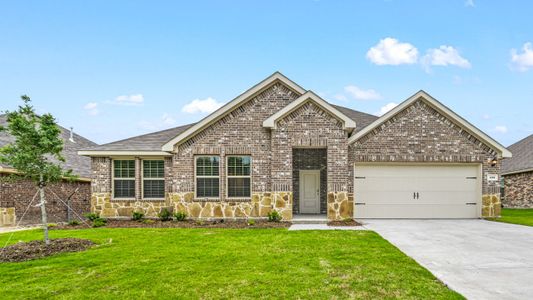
148, 221
91, 216
274, 216
52, 224
200, 222
251, 222
137, 216
74, 223
99, 222
165, 215
180, 216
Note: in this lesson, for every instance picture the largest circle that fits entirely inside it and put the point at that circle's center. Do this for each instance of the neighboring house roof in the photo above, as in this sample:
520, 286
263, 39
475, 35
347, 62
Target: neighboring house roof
79, 165
150, 144
522, 160
441, 109
348, 123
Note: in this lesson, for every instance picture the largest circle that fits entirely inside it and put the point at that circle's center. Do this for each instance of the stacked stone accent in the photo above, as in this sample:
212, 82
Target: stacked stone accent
421, 134
258, 207
340, 205
7, 216
518, 190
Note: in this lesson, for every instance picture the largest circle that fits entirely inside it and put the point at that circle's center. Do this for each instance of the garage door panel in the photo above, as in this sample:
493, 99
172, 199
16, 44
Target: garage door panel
401, 211
417, 191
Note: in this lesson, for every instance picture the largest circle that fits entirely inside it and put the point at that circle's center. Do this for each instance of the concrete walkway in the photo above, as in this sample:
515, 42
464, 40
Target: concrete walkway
479, 259
323, 227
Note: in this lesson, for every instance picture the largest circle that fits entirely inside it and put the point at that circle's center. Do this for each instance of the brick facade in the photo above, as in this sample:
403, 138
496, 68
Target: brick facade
421, 134
17, 193
518, 191
309, 137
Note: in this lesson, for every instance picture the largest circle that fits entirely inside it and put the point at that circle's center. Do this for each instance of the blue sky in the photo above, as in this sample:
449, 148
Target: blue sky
114, 69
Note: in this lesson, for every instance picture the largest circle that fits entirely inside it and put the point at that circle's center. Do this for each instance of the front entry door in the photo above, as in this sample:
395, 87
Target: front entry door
310, 191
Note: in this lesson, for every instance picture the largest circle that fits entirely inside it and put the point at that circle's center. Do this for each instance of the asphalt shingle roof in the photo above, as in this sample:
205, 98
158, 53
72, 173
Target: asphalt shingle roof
522, 159
79, 165
154, 141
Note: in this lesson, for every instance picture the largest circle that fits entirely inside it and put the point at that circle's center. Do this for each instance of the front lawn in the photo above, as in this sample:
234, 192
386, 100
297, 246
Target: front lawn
221, 263
516, 216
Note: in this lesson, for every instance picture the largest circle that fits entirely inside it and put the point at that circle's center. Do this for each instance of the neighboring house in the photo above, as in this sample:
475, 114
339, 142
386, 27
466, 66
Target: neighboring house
280, 147
17, 193
517, 173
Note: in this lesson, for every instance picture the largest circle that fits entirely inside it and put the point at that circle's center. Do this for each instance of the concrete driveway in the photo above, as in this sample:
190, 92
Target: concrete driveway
479, 259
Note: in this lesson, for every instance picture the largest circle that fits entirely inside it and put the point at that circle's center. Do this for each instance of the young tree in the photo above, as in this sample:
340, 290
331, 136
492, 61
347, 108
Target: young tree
36, 151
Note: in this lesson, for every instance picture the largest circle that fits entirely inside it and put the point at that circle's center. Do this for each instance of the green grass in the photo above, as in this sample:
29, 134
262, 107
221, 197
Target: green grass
221, 263
516, 216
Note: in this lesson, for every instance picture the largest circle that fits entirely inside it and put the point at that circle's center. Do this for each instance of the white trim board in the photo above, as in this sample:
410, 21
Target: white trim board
221, 112
441, 108
348, 124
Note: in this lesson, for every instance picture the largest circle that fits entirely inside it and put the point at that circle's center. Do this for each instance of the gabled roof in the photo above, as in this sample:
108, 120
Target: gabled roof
146, 144
348, 123
522, 160
79, 165
221, 112
443, 110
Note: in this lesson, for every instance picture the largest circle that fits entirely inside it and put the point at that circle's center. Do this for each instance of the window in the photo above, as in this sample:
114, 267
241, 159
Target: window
207, 177
124, 179
239, 179
153, 179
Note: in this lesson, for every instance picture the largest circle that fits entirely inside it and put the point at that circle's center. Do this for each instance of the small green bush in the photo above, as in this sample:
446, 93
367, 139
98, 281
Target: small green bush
180, 216
148, 221
74, 223
91, 216
274, 216
165, 215
99, 222
200, 222
137, 216
251, 222
52, 224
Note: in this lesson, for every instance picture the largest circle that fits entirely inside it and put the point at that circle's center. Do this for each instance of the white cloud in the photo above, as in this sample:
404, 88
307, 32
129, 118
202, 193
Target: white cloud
486, 117
522, 61
390, 51
470, 3
384, 109
168, 120
134, 99
91, 108
444, 56
207, 105
500, 129
340, 97
361, 94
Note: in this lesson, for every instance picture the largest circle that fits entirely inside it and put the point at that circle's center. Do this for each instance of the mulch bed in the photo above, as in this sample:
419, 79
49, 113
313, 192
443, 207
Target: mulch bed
344, 223
24, 251
182, 224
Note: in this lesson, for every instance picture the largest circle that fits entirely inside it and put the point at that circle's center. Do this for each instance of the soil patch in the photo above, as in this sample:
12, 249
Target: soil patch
37, 249
344, 223
149, 223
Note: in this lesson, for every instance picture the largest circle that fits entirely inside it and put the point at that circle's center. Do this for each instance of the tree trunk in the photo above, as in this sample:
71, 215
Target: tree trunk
44, 218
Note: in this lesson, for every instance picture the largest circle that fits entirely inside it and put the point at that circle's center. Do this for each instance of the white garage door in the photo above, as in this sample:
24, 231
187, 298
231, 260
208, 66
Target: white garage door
417, 191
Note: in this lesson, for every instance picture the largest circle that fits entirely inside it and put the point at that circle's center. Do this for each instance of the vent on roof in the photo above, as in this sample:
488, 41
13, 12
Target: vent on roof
71, 138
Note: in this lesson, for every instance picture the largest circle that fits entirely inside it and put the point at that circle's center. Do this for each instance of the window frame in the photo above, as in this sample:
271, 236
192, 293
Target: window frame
113, 178
203, 176
238, 176
152, 178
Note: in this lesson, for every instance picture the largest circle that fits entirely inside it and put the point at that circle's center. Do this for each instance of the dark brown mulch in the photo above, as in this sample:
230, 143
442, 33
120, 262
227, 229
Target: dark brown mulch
24, 251
350, 222
149, 223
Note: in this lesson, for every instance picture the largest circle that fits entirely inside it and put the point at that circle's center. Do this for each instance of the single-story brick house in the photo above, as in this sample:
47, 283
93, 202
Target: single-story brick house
280, 147
517, 173
16, 193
